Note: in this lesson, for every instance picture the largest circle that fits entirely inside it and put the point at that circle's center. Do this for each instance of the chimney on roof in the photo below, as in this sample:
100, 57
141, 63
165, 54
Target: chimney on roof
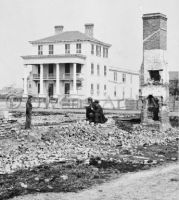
58, 29
89, 29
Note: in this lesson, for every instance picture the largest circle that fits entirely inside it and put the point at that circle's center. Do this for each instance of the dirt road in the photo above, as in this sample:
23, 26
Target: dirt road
161, 183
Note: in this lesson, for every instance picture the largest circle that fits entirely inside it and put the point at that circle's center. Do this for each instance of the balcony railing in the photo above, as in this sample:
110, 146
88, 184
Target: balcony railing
69, 76
64, 76
46, 76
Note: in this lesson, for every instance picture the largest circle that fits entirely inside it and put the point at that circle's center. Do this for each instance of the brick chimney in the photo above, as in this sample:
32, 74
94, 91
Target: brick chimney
89, 29
58, 29
154, 46
154, 31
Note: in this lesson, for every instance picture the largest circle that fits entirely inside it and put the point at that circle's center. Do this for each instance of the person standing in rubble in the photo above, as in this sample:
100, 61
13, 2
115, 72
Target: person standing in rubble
28, 112
98, 113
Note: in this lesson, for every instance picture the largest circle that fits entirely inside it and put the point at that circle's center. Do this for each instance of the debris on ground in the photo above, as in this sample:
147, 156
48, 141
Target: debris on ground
72, 156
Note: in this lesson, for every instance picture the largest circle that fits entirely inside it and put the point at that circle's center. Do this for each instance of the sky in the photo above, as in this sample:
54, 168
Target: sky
118, 22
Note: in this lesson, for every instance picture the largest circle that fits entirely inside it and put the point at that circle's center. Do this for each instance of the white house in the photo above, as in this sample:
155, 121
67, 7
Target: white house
68, 63
77, 65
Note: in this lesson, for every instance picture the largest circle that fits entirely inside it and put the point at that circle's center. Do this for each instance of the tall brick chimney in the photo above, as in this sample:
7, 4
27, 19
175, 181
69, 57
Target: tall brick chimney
154, 46
89, 29
58, 29
154, 72
154, 31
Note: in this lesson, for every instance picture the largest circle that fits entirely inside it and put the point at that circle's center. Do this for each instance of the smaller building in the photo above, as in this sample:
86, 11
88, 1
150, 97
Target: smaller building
123, 88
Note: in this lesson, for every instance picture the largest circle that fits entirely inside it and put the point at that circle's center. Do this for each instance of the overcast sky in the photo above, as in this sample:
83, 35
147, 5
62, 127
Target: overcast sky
117, 22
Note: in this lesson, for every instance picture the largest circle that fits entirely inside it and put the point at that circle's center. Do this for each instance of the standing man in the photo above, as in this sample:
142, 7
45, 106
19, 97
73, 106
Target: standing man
28, 112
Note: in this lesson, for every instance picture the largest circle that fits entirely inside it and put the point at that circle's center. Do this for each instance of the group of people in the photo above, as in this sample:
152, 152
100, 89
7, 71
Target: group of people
94, 112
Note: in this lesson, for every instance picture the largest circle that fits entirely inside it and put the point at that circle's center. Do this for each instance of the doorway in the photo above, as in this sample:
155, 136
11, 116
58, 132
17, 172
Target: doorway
67, 68
67, 88
78, 68
50, 89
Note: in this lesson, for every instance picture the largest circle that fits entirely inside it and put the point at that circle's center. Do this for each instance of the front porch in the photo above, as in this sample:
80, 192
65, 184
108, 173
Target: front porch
55, 80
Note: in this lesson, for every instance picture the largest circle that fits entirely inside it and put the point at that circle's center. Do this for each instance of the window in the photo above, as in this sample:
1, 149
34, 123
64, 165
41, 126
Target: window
67, 68
105, 52
92, 89
92, 49
40, 50
131, 93
78, 48
98, 70
78, 68
105, 70
98, 89
39, 70
105, 88
50, 48
115, 76
123, 78
92, 68
67, 48
78, 86
115, 91
38, 88
123, 94
98, 50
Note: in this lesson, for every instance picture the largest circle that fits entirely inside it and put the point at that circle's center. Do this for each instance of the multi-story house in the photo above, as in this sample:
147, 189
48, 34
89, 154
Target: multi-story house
68, 63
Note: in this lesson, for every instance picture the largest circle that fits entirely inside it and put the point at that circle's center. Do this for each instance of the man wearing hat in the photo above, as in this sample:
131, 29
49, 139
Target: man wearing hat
28, 112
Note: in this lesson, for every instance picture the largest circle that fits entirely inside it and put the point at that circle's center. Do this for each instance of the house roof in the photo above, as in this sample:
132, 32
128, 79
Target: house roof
68, 36
124, 70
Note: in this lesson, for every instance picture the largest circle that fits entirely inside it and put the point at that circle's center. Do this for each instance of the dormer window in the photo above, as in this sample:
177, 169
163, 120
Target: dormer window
78, 48
50, 49
40, 50
67, 48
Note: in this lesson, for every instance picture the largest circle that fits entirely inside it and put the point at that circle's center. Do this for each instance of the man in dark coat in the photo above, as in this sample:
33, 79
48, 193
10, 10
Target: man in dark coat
28, 112
90, 110
98, 113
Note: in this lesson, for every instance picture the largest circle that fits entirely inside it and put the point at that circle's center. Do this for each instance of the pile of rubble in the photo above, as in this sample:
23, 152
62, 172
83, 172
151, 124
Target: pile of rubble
76, 141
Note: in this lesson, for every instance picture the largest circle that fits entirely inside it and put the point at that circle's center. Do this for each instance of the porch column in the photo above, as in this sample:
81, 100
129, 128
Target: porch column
41, 81
74, 78
57, 79
25, 81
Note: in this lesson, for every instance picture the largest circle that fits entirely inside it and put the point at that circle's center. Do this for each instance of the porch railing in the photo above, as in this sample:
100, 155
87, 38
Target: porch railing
45, 76
64, 76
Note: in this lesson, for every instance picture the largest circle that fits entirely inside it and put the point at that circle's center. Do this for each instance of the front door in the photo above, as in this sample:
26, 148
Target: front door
50, 90
67, 88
